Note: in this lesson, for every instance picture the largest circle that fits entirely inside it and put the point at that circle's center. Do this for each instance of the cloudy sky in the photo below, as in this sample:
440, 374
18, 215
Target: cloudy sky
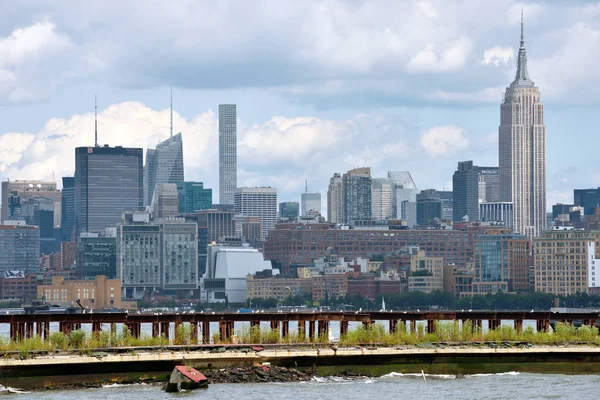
320, 86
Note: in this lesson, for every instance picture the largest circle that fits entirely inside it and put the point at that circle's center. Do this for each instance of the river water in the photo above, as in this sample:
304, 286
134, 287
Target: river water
511, 385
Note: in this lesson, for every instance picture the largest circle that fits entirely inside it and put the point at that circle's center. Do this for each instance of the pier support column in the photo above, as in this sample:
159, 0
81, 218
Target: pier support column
302, 329
518, 325
164, 329
230, 329
96, 327
223, 331
205, 332
46, 329
14, 331
478, 324
38, 330
413, 326
492, 324
323, 329
393, 325
274, 325
311, 329
194, 338
155, 329
343, 328
430, 326
176, 327
29, 330
285, 329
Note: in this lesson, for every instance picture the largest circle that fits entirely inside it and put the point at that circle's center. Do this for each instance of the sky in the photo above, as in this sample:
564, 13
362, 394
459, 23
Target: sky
320, 86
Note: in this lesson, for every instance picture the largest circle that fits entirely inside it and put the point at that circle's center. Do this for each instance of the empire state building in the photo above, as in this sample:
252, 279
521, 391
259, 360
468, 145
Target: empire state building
522, 150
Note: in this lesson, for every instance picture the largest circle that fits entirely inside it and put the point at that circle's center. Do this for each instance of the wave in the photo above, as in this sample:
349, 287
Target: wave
118, 385
418, 375
511, 373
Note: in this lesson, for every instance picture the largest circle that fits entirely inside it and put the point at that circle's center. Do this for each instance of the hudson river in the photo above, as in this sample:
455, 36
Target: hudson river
510, 385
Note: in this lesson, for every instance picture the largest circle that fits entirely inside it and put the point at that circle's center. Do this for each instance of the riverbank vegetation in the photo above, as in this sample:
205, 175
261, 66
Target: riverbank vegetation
375, 334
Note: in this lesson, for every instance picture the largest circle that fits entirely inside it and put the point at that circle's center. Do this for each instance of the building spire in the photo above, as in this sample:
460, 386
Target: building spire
95, 120
171, 110
522, 76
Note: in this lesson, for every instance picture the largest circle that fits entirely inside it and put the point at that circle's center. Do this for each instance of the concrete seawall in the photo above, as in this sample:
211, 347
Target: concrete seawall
60, 370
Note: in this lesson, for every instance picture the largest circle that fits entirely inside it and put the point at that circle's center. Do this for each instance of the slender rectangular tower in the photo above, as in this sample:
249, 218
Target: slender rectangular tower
227, 153
522, 151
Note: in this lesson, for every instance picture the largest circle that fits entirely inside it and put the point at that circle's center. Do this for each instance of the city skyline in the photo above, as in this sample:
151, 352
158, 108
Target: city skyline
316, 130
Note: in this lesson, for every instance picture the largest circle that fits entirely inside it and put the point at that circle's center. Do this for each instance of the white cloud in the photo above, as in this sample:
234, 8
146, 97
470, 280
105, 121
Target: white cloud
34, 60
444, 140
435, 59
498, 55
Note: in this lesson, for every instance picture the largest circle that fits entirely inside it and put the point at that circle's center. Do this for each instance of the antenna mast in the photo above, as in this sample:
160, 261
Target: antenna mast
96, 120
171, 110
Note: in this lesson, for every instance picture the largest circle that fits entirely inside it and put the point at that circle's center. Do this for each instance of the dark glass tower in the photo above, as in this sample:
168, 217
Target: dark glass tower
108, 181
67, 224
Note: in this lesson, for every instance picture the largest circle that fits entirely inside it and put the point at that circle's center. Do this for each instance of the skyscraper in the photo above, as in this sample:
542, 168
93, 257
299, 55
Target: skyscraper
164, 202
108, 181
429, 206
522, 150
193, 196
471, 186
589, 199
311, 204
289, 209
67, 226
14, 193
382, 198
258, 202
163, 165
356, 185
404, 200
335, 203
227, 153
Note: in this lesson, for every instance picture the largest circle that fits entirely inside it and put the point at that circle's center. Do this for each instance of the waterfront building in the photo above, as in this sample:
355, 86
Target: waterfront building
429, 206
501, 263
426, 273
566, 262
500, 213
471, 186
297, 244
280, 288
67, 224
258, 202
289, 210
193, 196
589, 199
97, 255
94, 294
226, 270
522, 151
19, 248
311, 204
227, 153
108, 182
335, 200
356, 187
165, 203
382, 191
19, 286
164, 164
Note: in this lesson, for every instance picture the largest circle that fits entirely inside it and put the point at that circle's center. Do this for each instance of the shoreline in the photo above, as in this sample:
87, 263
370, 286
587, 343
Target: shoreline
95, 369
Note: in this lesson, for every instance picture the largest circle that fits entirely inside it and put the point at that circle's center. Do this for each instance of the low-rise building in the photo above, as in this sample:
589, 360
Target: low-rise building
277, 287
16, 285
97, 294
426, 273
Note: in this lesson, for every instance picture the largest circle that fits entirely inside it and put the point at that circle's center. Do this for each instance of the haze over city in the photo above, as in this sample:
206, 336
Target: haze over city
320, 87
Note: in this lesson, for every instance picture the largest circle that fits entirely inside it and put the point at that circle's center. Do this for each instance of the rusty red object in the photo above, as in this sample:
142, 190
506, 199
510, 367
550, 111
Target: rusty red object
257, 348
191, 374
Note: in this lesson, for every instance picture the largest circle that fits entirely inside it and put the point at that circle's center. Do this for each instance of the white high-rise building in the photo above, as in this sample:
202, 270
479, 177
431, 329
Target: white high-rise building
335, 200
404, 197
522, 151
257, 202
382, 198
227, 153
311, 204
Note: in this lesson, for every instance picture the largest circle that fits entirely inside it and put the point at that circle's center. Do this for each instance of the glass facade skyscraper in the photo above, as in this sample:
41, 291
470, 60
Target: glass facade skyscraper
356, 187
589, 199
67, 226
193, 196
108, 181
227, 153
19, 248
164, 164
